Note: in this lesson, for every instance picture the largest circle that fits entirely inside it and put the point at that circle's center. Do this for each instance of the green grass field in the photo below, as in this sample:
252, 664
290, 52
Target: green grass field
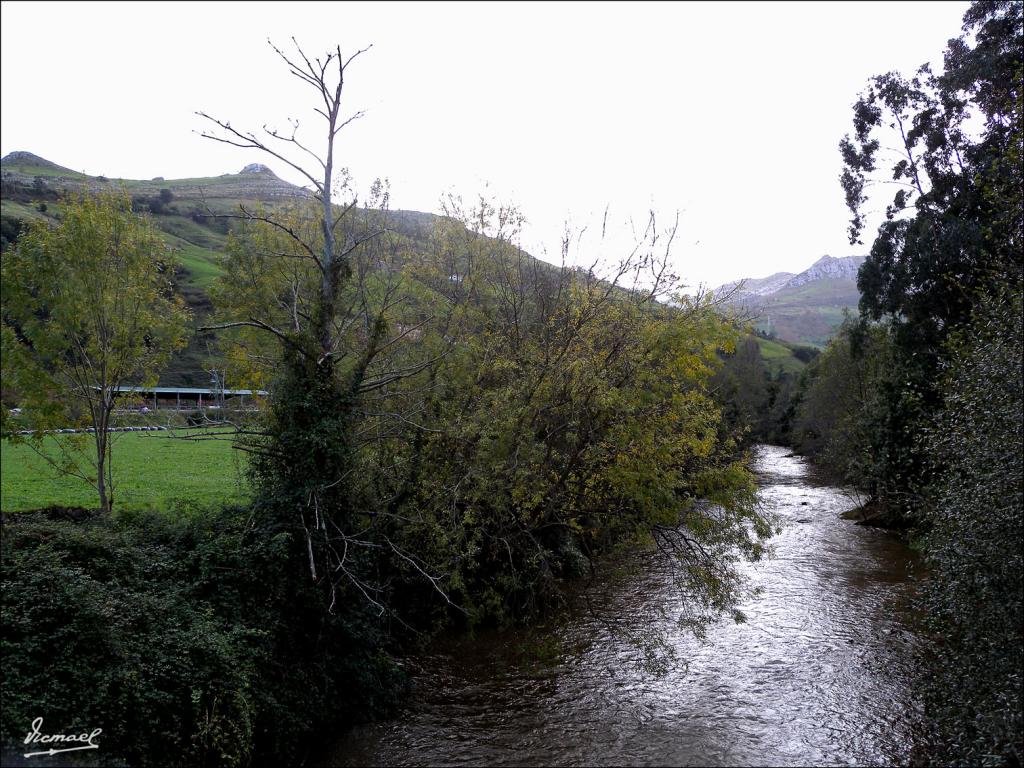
776, 355
152, 470
201, 263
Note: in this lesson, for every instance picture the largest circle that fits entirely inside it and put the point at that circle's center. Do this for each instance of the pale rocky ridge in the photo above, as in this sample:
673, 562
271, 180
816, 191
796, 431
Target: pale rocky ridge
825, 268
828, 268
757, 286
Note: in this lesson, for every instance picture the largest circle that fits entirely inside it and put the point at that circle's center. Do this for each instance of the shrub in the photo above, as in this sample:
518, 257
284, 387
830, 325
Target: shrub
102, 629
184, 637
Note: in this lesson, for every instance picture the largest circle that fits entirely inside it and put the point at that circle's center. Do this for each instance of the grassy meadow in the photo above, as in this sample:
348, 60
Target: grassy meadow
778, 355
152, 470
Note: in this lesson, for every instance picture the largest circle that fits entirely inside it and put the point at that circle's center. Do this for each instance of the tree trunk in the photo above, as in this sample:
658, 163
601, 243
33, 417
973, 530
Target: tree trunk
102, 427
101, 477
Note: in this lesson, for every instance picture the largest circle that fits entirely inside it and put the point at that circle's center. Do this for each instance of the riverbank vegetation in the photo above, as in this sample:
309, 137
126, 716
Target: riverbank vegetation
450, 437
918, 401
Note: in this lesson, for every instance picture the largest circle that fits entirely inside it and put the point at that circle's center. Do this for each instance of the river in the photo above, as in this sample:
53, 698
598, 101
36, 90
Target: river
818, 675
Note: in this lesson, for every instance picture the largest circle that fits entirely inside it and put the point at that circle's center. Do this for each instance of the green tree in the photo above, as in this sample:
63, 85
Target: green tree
972, 683
88, 308
842, 402
311, 303
571, 418
952, 228
309, 308
741, 385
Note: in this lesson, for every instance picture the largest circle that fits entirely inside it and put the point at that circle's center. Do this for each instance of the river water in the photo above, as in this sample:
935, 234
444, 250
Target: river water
818, 675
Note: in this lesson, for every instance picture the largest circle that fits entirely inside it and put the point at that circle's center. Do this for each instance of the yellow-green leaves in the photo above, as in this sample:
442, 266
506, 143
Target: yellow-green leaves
92, 298
88, 306
570, 415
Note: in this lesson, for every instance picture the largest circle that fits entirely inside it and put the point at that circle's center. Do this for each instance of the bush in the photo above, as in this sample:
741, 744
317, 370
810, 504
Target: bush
805, 354
184, 637
102, 629
10, 231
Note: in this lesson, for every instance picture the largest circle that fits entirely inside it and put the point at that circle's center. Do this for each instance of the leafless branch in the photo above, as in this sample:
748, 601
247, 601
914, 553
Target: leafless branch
248, 140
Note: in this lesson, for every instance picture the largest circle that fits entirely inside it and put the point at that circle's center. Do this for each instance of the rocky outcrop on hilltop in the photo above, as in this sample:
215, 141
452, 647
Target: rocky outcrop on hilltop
257, 168
828, 268
825, 268
805, 308
27, 158
21, 162
29, 177
755, 286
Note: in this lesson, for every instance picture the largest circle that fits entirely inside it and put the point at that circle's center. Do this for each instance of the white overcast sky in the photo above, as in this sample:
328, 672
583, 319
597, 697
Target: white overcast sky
729, 113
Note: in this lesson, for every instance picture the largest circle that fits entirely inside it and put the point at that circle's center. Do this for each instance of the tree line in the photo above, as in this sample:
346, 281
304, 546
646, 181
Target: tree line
918, 401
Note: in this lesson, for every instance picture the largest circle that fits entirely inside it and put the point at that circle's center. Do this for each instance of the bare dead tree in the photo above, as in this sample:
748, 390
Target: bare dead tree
336, 283
327, 77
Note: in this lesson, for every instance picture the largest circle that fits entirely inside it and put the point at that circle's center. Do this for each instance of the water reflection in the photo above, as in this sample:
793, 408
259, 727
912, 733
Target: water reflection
817, 676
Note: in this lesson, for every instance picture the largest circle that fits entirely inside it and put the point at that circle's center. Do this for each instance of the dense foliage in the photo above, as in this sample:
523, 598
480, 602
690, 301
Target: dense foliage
758, 404
176, 634
570, 417
976, 524
515, 421
88, 308
952, 228
920, 403
842, 404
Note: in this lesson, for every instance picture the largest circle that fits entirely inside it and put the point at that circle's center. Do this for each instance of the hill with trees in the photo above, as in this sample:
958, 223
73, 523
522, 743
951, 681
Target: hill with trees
193, 216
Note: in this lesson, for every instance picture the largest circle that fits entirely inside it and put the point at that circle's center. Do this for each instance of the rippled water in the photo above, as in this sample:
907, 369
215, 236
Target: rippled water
817, 676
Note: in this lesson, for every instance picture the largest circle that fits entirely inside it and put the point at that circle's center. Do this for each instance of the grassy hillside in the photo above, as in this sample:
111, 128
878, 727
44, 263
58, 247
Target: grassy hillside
780, 355
33, 186
806, 314
185, 212
27, 164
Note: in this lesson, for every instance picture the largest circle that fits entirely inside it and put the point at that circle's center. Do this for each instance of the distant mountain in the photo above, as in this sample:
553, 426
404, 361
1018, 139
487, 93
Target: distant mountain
254, 182
828, 268
754, 286
805, 308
